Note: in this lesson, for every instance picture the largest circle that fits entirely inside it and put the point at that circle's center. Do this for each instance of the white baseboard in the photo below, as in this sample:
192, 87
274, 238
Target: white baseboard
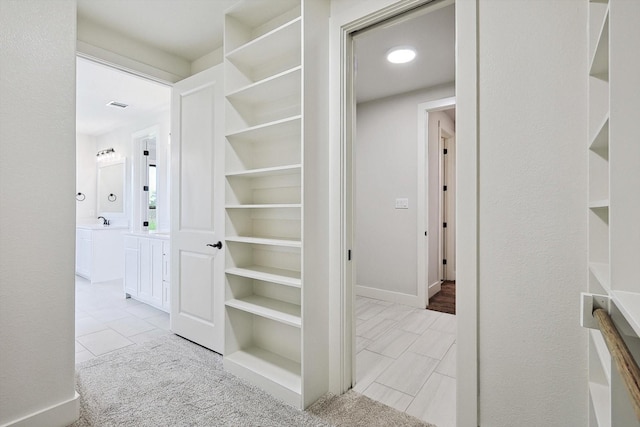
390, 296
62, 415
434, 288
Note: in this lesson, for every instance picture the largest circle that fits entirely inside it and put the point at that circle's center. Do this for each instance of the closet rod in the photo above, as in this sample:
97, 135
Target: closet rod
625, 363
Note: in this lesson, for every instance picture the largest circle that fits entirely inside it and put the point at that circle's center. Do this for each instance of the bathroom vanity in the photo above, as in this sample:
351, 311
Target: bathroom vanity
146, 266
99, 252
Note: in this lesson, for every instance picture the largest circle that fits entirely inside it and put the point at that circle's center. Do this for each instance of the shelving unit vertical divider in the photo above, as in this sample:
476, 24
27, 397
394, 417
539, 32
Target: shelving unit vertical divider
276, 124
598, 206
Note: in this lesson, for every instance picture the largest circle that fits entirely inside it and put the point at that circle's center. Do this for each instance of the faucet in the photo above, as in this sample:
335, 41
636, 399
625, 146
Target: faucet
105, 221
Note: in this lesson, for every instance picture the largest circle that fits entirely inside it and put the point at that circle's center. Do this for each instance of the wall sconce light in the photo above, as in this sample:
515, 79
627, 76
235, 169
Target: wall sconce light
108, 154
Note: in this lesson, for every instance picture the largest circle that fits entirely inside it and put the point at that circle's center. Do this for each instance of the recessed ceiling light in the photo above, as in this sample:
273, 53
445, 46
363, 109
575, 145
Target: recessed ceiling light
117, 104
401, 55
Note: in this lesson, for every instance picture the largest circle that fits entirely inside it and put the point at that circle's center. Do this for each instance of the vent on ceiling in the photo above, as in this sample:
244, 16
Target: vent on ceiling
118, 104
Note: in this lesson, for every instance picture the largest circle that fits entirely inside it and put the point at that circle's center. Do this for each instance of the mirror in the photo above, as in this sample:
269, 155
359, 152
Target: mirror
111, 188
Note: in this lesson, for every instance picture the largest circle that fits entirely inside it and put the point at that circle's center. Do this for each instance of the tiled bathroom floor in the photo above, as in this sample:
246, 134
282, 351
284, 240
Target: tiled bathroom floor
106, 321
406, 358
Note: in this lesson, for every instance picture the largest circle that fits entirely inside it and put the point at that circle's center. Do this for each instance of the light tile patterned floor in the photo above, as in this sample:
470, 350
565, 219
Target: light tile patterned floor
406, 358
106, 321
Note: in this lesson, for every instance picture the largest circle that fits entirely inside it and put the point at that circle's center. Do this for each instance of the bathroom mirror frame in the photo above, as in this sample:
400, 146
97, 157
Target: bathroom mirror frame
111, 191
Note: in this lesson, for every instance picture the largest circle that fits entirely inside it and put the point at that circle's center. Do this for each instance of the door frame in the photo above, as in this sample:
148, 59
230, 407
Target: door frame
344, 22
425, 251
444, 237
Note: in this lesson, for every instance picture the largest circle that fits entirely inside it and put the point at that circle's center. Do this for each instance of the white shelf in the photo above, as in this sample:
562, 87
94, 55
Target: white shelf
290, 243
268, 131
273, 309
600, 141
262, 130
600, 61
601, 401
265, 206
279, 42
269, 365
629, 304
282, 85
599, 204
268, 274
262, 172
601, 271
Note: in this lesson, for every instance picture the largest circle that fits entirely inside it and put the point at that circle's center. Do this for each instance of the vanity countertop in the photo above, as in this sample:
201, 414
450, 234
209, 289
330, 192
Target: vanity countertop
150, 234
101, 227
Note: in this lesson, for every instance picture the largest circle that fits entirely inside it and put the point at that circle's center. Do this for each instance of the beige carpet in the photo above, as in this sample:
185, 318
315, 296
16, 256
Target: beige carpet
173, 382
355, 410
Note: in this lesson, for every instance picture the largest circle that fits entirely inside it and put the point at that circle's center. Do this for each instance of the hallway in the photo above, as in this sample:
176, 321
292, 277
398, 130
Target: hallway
406, 358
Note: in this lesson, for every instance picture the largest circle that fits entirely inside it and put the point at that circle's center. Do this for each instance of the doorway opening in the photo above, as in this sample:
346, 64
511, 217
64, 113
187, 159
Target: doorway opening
403, 354
117, 113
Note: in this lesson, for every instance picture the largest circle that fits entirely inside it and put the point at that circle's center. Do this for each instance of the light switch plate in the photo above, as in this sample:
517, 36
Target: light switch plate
402, 203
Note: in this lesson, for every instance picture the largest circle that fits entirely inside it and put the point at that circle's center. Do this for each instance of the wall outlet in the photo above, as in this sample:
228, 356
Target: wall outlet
402, 203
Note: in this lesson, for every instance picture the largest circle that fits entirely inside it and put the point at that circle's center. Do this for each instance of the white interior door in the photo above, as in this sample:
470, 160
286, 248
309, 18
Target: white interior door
197, 212
449, 205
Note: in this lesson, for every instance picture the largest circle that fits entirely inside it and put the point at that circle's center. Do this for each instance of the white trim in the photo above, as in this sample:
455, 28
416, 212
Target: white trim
122, 63
467, 388
434, 288
424, 290
61, 414
342, 23
391, 296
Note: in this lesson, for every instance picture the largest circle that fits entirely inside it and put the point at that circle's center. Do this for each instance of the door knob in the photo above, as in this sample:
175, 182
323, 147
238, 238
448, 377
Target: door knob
217, 245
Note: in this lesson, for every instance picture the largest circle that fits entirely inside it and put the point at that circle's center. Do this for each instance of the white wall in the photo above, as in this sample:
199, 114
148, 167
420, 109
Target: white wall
385, 169
86, 177
121, 141
37, 211
532, 212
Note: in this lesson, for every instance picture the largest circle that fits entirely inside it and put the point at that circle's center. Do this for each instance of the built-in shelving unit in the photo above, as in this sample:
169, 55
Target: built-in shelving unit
598, 146
268, 295
614, 199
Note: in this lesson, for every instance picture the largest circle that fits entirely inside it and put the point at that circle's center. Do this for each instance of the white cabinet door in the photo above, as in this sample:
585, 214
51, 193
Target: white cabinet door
197, 216
156, 272
166, 274
145, 288
131, 266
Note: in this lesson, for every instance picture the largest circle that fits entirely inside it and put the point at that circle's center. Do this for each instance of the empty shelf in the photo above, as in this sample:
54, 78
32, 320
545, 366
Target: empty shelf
600, 142
268, 274
290, 243
262, 172
269, 365
269, 308
600, 61
276, 43
265, 206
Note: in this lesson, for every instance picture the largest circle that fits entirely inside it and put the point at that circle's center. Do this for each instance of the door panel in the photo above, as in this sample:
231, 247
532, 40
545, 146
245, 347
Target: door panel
196, 269
197, 217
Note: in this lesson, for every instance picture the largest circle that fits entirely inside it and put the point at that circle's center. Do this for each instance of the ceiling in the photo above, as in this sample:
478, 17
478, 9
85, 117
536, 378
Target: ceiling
433, 37
185, 28
193, 28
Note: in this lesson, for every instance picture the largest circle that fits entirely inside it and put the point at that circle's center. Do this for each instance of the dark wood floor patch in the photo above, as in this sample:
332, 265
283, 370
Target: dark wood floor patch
445, 300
